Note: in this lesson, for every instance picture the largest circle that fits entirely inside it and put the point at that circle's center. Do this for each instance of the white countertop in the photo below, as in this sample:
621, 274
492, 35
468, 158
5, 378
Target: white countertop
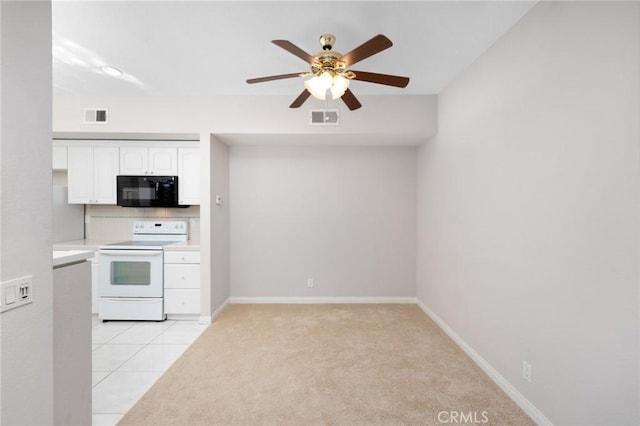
64, 257
82, 244
189, 245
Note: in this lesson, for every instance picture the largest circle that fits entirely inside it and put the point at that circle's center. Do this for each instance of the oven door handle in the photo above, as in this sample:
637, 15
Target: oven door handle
131, 252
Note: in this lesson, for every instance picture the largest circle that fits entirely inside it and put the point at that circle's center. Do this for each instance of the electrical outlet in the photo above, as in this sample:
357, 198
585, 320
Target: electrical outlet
310, 282
15, 293
25, 291
527, 371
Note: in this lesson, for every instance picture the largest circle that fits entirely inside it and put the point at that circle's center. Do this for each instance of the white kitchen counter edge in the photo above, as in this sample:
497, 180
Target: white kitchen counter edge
82, 244
65, 257
189, 245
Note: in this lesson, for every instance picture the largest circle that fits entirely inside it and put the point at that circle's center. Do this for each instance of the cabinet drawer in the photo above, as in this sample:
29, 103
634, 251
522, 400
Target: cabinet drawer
181, 276
181, 257
181, 301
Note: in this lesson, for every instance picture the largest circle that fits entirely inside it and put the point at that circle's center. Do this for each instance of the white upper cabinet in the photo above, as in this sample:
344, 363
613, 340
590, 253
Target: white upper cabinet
189, 176
163, 161
59, 155
134, 160
147, 160
92, 167
92, 171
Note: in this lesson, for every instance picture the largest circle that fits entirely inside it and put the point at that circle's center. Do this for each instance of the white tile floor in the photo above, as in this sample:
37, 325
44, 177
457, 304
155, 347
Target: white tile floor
128, 357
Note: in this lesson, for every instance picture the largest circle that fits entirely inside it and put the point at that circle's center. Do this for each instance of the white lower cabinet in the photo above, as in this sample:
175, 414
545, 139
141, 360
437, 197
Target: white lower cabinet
182, 282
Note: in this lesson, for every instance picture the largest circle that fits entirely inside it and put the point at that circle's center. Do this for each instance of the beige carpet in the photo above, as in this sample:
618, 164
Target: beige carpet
324, 365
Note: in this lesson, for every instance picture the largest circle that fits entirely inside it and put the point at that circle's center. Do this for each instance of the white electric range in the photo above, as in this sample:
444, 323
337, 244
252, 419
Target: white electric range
131, 273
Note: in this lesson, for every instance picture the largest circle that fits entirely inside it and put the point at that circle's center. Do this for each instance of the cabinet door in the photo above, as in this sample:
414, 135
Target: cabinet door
163, 161
189, 176
80, 174
106, 166
134, 160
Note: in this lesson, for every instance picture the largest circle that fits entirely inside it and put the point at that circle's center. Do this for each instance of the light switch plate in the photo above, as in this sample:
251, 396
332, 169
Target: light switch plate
15, 293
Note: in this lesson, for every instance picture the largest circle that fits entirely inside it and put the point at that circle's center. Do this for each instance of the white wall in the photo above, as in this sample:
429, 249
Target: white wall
528, 209
215, 231
404, 118
344, 216
206, 226
26, 333
220, 218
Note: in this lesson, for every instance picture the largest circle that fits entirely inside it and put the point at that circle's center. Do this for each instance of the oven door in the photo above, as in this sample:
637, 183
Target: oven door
130, 273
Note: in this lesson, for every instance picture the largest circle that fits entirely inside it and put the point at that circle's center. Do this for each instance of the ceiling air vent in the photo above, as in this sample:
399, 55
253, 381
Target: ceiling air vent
95, 115
325, 117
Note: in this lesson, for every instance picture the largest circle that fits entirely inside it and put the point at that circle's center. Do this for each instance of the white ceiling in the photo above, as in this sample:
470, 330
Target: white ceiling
212, 47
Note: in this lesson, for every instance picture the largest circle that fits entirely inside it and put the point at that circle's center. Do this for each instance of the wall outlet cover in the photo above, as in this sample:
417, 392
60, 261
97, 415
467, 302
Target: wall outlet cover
16, 292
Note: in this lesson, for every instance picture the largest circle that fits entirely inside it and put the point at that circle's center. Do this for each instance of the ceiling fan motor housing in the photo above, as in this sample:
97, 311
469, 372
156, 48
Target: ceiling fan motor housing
327, 61
327, 41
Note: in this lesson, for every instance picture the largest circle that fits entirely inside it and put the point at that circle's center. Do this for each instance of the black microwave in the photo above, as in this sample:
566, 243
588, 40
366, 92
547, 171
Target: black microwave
147, 191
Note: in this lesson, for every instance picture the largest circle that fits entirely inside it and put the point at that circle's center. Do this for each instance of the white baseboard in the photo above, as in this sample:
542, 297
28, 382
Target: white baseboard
183, 317
498, 378
205, 319
320, 300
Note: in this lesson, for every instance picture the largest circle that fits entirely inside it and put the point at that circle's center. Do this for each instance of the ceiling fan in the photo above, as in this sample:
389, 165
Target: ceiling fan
330, 70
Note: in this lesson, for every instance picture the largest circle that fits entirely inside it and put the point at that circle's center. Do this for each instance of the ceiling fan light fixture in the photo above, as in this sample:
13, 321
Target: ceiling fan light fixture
339, 85
327, 80
319, 84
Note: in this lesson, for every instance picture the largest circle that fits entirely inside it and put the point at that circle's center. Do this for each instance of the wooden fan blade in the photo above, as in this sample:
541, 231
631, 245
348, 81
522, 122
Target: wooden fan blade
368, 48
274, 77
351, 101
292, 48
389, 80
300, 99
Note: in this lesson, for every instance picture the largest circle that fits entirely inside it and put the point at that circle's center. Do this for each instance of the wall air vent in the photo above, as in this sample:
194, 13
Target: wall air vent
324, 117
95, 115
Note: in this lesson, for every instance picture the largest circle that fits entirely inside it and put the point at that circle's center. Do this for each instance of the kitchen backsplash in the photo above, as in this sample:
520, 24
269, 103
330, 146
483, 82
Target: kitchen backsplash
116, 223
